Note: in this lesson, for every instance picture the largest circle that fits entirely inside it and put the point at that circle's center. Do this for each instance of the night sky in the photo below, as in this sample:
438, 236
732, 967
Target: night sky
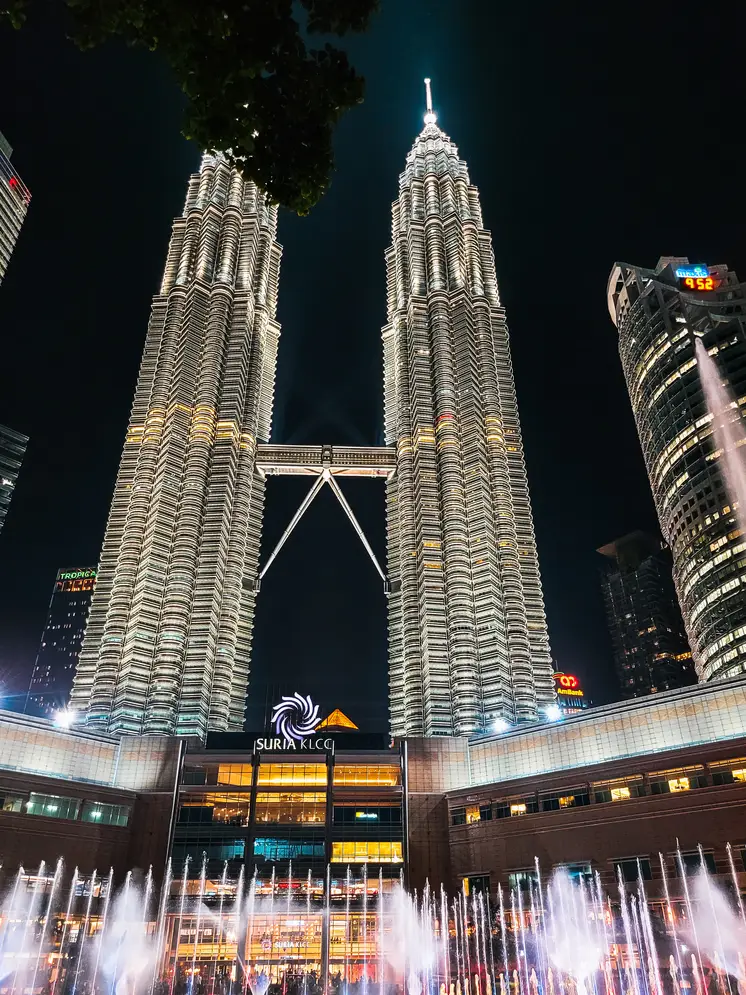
594, 133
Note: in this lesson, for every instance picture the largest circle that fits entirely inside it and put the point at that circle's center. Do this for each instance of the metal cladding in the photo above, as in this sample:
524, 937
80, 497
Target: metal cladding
168, 640
468, 639
12, 450
14, 201
658, 320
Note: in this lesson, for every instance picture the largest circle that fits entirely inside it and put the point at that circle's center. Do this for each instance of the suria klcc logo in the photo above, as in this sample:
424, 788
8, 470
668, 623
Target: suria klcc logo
295, 719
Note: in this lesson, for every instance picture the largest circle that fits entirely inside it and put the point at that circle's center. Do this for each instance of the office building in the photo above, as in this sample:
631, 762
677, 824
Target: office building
468, 641
169, 636
660, 314
167, 645
651, 652
54, 669
12, 450
14, 201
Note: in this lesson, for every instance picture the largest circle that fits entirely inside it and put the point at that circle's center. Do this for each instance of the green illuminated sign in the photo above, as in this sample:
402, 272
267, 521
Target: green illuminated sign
75, 574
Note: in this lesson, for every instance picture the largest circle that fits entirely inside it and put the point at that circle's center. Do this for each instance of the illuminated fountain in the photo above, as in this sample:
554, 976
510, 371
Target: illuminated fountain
65, 935
727, 426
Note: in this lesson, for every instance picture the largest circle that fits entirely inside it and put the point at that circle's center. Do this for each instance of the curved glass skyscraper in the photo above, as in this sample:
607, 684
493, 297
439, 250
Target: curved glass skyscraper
658, 313
468, 639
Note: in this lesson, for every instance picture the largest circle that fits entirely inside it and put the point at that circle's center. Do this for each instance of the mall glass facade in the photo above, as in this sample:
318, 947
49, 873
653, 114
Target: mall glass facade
290, 841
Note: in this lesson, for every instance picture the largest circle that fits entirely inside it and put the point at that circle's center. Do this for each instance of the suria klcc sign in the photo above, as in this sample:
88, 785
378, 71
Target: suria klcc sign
295, 719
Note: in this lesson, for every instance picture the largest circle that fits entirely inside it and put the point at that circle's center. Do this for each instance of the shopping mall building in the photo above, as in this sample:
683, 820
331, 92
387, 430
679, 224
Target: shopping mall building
315, 832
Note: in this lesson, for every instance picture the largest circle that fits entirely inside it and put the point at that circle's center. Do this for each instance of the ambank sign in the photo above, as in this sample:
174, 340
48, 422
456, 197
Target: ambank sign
295, 719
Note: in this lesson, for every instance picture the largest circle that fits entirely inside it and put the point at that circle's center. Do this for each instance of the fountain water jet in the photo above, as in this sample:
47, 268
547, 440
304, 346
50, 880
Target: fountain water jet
728, 428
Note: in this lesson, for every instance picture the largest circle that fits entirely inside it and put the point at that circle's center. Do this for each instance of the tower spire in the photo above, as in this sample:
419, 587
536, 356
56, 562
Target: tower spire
430, 116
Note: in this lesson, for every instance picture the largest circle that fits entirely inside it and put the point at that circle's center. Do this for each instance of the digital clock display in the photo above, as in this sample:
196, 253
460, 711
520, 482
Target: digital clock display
699, 283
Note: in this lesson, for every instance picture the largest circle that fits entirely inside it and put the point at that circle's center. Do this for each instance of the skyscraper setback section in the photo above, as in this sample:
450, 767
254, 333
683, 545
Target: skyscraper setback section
169, 634
468, 638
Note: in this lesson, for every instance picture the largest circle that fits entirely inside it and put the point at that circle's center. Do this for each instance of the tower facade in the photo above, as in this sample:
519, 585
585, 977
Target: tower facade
468, 640
167, 646
14, 201
12, 450
52, 676
651, 652
660, 314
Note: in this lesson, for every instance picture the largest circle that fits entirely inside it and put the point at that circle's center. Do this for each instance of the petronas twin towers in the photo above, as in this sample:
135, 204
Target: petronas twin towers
168, 643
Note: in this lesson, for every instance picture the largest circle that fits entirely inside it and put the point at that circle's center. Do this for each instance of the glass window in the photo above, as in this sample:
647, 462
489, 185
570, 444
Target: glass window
233, 774
52, 806
13, 803
292, 774
739, 775
472, 813
485, 812
98, 887
291, 806
672, 781
522, 879
478, 883
692, 862
274, 850
196, 850
618, 790
458, 816
553, 803
579, 872
367, 814
367, 852
105, 815
518, 808
383, 774
228, 808
633, 868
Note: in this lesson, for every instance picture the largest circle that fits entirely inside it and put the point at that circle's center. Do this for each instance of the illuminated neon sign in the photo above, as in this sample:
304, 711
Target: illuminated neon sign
568, 685
692, 272
295, 717
75, 574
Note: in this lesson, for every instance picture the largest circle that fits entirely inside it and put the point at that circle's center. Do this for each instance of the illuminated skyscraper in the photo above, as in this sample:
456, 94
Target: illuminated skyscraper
12, 450
468, 638
52, 676
14, 201
169, 633
168, 639
659, 314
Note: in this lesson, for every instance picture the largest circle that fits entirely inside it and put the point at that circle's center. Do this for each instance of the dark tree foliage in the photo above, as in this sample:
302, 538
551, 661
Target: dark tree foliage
254, 90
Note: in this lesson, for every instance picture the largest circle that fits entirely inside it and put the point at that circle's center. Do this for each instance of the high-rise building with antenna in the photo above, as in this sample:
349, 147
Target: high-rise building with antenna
468, 640
169, 633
